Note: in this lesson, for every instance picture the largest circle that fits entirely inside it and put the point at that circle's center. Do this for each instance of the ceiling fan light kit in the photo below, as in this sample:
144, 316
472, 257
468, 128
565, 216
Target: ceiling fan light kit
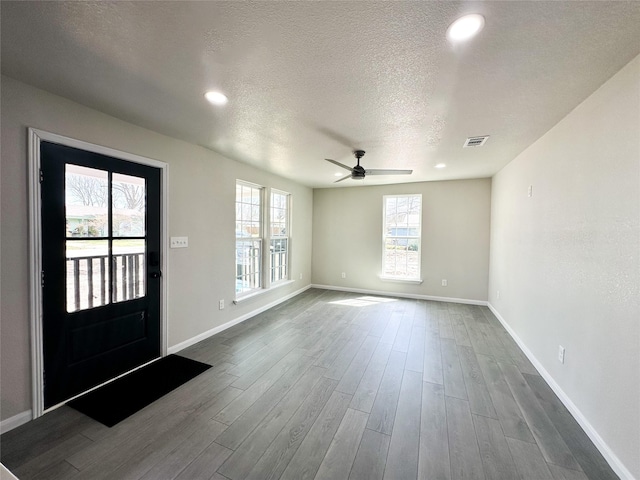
358, 172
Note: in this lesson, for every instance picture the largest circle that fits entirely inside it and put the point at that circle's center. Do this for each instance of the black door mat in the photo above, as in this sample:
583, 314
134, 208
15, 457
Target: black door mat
123, 397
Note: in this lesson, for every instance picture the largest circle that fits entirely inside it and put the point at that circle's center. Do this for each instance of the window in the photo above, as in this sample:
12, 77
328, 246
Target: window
279, 237
402, 237
249, 238
261, 227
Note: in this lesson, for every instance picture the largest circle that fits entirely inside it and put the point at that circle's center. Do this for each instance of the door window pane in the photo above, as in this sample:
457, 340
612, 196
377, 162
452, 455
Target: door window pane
87, 274
128, 261
94, 278
128, 195
86, 200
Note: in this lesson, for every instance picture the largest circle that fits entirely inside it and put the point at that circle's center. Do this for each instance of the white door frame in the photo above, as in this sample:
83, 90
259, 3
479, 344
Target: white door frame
35, 249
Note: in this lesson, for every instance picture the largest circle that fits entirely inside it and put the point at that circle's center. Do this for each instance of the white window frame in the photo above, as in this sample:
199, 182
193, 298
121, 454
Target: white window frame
271, 237
260, 238
398, 278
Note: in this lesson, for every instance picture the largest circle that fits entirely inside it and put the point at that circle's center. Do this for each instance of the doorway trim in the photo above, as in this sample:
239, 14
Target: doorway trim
35, 136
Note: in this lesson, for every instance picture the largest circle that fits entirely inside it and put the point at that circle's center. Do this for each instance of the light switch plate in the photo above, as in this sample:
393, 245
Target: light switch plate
179, 242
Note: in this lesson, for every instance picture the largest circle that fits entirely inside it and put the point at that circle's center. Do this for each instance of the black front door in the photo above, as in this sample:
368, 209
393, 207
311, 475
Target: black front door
101, 268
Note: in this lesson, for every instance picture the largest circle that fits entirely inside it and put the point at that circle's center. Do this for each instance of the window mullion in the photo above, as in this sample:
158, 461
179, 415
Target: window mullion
266, 240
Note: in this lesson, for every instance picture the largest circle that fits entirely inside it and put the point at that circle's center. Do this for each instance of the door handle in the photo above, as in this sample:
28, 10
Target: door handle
155, 274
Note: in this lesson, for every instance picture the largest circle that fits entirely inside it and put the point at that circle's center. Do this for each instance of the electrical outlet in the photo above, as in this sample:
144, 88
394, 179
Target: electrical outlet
530, 191
179, 242
560, 353
498, 295
344, 275
300, 276
444, 282
221, 304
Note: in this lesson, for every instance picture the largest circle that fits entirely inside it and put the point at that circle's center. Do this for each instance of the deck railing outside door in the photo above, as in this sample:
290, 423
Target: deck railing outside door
88, 279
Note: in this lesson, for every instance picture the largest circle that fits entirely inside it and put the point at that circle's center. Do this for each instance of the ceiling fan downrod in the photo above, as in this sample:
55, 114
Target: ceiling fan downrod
358, 172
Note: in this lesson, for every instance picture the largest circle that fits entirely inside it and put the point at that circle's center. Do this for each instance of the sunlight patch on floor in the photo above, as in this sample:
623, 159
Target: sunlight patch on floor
363, 301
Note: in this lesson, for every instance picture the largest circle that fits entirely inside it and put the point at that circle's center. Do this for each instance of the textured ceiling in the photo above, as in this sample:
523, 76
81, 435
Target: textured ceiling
314, 80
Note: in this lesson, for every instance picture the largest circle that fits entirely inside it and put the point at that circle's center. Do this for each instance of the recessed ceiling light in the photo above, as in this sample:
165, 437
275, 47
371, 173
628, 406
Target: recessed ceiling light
337, 174
440, 165
465, 27
216, 98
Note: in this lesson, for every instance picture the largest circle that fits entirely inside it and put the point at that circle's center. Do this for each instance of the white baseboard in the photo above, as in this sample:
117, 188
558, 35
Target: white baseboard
591, 432
204, 335
15, 421
403, 295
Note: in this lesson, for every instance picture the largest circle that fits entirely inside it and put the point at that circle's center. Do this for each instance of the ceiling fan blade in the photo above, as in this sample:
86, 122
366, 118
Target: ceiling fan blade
338, 163
343, 178
388, 172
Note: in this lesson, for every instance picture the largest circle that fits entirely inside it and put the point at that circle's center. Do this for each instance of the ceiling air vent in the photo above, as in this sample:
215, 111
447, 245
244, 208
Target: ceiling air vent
475, 141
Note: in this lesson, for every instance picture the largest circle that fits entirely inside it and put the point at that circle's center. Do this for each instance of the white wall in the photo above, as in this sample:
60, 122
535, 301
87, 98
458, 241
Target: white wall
347, 237
566, 260
201, 206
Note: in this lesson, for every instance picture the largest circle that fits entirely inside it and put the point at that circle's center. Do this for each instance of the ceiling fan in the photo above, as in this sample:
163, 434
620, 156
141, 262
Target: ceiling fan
358, 172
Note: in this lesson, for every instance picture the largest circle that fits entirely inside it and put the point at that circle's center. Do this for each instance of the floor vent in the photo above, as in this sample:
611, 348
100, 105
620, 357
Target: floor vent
475, 141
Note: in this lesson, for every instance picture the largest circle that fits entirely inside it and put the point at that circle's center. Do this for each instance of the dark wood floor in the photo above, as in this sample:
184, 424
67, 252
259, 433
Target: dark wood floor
333, 385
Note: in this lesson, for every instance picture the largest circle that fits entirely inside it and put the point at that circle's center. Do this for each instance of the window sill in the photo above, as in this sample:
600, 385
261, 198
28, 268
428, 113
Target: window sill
262, 291
400, 280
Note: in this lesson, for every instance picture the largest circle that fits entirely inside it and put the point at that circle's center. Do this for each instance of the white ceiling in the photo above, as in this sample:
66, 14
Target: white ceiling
314, 80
